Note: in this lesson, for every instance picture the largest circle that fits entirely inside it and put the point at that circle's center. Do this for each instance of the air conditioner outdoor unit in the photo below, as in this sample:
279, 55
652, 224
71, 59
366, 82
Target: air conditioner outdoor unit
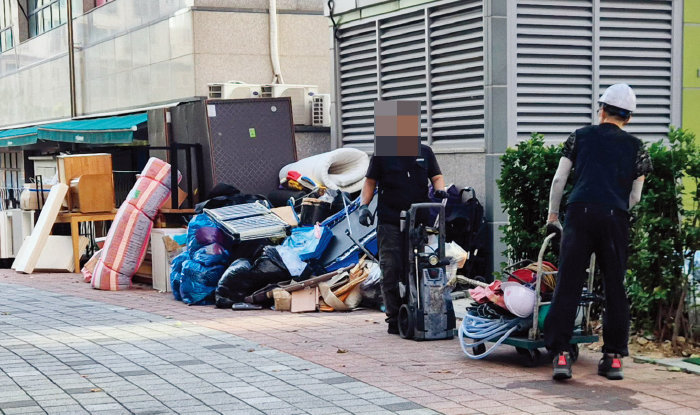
234, 90
301, 95
321, 110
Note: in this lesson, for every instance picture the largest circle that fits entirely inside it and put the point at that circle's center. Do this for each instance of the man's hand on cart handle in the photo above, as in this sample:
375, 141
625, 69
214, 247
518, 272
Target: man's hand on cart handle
554, 226
440, 194
366, 217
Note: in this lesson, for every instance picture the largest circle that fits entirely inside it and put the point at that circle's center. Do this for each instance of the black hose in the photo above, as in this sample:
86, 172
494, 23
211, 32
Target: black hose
331, 6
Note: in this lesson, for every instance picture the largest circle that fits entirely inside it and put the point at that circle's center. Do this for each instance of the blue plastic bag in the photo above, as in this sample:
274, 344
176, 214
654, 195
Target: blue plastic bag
199, 282
309, 242
176, 273
202, 231
212, 254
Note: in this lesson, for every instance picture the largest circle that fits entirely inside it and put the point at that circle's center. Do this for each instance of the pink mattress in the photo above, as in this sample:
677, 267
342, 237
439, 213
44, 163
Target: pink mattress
128, 236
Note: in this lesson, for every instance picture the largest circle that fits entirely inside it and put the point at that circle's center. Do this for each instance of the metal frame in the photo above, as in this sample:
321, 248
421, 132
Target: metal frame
199, 157
33, 11
6, 6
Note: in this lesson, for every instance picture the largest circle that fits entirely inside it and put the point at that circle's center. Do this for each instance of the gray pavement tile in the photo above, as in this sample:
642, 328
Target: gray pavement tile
17, 404
27, 410
338, 379
401, 406
103, 407
66, 410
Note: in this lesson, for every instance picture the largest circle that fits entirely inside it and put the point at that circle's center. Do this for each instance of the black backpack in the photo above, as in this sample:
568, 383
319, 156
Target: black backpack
466, 225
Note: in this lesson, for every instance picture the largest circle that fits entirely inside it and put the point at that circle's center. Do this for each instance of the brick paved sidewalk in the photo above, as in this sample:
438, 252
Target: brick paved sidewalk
433, 375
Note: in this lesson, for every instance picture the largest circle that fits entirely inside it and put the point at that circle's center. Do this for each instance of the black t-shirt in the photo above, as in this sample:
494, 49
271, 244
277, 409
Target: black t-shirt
606, 161
402, 181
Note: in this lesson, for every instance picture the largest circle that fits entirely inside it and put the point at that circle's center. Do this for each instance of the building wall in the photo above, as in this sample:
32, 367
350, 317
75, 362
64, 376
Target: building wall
131, 54
691, 78
241, 51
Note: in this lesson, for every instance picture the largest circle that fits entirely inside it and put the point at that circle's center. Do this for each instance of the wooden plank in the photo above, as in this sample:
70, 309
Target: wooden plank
57, 254
32, 247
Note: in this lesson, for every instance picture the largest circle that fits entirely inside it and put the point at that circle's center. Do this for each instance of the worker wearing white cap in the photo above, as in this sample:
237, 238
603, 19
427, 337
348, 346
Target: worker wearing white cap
609, 169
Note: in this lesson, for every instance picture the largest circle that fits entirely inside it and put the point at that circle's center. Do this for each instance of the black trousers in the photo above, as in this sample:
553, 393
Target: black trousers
591, 228
391, 261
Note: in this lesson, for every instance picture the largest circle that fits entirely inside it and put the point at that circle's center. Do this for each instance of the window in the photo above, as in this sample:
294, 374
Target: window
44, 15
5, 25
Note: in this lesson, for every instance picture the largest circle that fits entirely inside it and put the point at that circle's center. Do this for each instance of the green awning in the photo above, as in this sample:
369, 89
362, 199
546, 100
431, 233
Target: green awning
110, 130
18, 137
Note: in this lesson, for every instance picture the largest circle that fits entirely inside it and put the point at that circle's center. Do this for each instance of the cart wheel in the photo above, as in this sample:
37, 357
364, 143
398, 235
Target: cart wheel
533, 357
479, 350
574, 352
407, 322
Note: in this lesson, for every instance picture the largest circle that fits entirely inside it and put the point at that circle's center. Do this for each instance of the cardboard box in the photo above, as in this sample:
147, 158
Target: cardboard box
305, 300
162, 255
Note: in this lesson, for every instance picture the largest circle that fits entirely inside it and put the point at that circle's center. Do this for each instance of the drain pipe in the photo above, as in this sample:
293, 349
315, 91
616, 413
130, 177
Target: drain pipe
71, 59
274, 49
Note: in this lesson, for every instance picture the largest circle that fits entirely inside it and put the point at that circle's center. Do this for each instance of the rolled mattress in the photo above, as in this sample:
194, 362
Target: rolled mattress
342, 169
127, 239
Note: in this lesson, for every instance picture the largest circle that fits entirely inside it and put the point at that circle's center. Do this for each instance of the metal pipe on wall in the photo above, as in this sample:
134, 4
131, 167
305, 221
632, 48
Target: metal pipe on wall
71, 59
274, 48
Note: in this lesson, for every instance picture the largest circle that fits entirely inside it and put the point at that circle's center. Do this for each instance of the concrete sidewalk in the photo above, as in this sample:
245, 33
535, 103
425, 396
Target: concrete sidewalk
65, 345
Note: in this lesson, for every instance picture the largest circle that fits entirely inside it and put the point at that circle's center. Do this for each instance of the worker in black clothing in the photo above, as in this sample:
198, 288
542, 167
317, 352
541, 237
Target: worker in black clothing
402, 180
609, 169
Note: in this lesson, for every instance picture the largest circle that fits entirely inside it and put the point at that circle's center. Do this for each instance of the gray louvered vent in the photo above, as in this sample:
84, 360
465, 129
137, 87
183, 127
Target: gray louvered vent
457, 71
635, 48
441, 65
358, 82
402, 63
555, 67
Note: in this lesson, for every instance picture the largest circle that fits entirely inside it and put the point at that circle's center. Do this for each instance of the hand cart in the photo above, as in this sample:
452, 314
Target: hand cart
529, 345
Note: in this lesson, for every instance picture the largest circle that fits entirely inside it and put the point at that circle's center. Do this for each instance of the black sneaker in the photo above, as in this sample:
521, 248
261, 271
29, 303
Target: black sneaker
610, 366
562, 366
393, 328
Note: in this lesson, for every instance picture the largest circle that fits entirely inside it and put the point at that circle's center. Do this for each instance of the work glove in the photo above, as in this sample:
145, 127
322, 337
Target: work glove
554, 227
366, 218
440, 194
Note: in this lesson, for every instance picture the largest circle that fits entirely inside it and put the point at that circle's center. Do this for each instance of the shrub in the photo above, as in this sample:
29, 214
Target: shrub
663, 236
526, 176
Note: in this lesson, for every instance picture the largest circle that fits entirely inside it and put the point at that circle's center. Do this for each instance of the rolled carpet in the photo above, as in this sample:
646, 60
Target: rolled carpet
342, 169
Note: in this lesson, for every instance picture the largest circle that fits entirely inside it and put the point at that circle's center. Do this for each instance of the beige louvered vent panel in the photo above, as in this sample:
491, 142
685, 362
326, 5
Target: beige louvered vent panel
554, 66
635, 48
358, 82
457, 72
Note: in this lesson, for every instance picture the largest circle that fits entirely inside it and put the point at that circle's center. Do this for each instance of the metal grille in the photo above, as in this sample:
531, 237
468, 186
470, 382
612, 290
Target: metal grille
402, 61
249, 221
554, 66
457, 71
569, 51
427, 54
358, 82
635, 48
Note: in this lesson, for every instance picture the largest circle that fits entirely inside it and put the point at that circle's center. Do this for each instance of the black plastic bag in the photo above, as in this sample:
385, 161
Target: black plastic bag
239, 281
227, 281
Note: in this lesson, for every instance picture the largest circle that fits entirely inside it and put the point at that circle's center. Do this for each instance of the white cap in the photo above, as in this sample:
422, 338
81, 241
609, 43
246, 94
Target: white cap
621, 96
519, 299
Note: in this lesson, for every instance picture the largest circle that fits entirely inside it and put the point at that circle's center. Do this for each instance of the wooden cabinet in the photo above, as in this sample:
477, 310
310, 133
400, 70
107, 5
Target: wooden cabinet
73, 166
